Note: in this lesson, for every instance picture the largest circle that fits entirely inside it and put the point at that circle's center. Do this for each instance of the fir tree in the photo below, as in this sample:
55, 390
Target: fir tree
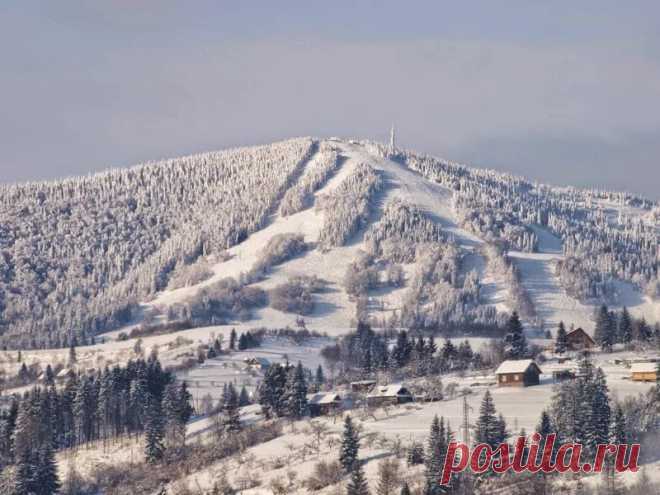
625, 327
232, 340
599, 424
319, 379
488, 427
350, 445
515, 341
272, 391
232, 422
296, 393
244, 397
603, 330
154, 433
25, 477
436, 452
357, 484
47, 481
561, 343
619, 430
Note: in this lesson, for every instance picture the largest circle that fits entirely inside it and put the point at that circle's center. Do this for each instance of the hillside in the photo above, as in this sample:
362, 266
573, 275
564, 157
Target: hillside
327, 230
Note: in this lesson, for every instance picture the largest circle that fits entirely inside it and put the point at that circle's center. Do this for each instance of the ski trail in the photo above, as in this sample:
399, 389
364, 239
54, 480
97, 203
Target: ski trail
538, 277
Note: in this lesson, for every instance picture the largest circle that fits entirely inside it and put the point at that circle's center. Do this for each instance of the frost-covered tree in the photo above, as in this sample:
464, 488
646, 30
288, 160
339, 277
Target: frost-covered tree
515, 341
350, 445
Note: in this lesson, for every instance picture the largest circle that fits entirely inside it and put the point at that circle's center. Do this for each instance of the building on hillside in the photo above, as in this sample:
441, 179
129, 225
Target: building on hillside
564, 373
578, 340
518, 373
322, 404
644, 372
363, 386
389, 395
256, 363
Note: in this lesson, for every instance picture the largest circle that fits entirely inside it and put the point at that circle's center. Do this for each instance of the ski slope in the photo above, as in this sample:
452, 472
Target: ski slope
334, 311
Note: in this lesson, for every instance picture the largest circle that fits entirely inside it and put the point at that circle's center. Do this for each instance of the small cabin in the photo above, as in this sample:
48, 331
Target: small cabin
363, 386
518, 373
563, 374
389, 395
578, 340
256, 363
323, 404
644, 372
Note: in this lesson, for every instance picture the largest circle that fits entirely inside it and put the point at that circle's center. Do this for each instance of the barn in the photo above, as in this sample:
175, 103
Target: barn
518, 373
644, 372
389, 395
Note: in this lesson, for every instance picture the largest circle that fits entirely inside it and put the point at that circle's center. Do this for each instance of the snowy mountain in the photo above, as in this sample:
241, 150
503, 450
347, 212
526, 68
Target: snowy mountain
330, 231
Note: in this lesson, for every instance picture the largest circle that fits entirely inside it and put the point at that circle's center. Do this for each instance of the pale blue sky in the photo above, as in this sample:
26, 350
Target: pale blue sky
564, 92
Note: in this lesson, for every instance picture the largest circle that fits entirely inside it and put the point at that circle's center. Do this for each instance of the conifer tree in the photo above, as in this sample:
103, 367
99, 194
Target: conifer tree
625, 327
232, 340
561, 344
154, 448
357, 484
515, 341
244, 397
436, 452
603, 329
599, 425
319, 379
619, 431
232, 419
488, 427
296, 393
25, 477
47, 480
350, 445
272, 390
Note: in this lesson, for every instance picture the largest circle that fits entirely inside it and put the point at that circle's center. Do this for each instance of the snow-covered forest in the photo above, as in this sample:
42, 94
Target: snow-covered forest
613, 234
76, 255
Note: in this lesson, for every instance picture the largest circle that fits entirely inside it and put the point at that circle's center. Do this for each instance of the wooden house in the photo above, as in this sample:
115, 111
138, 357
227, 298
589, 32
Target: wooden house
578, 340
322, 404
518, 373
644, 372
256, 363
389, 395
363, 386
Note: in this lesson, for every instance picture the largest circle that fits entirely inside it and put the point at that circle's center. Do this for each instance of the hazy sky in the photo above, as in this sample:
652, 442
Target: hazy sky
565, 92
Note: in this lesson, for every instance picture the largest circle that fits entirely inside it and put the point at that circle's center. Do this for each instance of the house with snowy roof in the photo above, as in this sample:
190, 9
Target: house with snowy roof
389, 395
578, 339
518, 373
321, 404
644, 372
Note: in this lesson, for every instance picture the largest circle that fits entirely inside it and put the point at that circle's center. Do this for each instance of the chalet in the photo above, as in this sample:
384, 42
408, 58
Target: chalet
256, 363
519, 373
389, 395
578, 340
363, 386
322, 404
644, 372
